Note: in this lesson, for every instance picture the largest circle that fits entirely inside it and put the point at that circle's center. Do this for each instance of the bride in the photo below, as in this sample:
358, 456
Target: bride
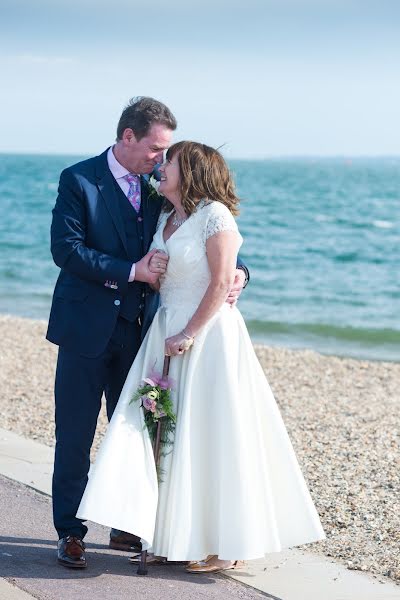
231, 486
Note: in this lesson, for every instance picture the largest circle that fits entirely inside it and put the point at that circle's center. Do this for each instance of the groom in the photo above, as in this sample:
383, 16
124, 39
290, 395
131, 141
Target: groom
103, 223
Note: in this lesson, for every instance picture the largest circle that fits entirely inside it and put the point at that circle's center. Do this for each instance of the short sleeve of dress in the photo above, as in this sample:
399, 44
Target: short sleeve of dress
219, 219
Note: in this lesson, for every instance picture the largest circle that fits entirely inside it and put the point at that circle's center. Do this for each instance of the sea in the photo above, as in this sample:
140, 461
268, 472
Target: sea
321, 241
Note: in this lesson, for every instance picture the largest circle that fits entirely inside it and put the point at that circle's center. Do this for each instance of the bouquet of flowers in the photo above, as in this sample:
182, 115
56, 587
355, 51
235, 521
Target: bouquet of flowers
155, 397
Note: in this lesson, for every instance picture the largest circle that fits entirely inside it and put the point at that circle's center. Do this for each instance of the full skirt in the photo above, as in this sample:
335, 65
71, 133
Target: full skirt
230, 483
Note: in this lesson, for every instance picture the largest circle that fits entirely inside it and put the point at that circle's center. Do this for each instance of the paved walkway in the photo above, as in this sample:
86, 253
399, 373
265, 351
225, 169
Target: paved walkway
29, 569
28, 561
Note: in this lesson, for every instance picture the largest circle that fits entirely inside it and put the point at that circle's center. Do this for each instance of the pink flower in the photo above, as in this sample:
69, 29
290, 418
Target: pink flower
149, 404
166, 383
154, 379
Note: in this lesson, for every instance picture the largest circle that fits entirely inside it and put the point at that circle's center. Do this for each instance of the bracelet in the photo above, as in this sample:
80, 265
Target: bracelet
188, 337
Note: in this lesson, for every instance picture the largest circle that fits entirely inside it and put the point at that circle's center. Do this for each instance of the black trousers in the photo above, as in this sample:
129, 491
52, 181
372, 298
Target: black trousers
80, 383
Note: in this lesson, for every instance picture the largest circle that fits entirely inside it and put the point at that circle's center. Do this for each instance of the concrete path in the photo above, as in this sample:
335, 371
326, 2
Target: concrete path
28, 564
8, 591
28, 560
26, 461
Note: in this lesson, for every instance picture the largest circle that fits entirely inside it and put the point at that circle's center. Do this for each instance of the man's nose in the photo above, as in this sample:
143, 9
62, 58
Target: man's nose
158, 169
159, 158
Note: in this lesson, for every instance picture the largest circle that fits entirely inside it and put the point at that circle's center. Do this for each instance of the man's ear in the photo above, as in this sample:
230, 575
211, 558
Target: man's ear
129, 136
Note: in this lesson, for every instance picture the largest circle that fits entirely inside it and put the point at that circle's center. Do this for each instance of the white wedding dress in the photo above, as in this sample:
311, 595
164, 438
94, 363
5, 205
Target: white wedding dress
231, 484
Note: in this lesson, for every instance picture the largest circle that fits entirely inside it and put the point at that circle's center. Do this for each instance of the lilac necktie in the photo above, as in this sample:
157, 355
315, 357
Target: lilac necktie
134, 190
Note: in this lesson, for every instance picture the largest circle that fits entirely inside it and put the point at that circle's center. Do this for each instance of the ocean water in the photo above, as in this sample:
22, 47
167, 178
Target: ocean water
321, 239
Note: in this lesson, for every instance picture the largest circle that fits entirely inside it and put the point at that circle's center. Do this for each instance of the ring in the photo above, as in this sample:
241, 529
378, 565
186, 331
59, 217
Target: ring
158, 264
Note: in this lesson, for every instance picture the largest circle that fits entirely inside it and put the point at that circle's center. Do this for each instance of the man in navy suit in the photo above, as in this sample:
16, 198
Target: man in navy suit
103, 224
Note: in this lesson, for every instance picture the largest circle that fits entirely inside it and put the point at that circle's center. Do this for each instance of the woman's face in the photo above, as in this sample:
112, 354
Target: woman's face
170, 177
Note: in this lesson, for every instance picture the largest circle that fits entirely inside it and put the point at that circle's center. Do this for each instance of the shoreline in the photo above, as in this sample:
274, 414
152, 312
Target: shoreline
342, 416
343, 347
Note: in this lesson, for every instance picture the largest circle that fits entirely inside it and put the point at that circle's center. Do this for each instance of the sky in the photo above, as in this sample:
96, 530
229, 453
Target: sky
263, 78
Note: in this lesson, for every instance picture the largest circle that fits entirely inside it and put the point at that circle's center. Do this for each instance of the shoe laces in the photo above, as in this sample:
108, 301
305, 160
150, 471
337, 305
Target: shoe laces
75, 539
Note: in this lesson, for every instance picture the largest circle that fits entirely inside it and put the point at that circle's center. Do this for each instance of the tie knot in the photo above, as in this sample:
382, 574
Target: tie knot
131, 178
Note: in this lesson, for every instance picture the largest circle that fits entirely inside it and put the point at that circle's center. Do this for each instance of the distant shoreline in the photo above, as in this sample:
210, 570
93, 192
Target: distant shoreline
278, 157
329, 340
280, 339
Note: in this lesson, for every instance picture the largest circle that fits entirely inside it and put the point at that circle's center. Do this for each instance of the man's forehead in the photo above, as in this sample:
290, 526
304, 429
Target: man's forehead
159, 135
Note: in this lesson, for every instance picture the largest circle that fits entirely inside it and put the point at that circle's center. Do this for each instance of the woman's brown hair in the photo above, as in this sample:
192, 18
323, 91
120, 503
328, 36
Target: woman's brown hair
203, 174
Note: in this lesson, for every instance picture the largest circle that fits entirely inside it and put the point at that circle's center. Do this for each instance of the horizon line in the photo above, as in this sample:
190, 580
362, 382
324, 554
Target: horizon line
307, 156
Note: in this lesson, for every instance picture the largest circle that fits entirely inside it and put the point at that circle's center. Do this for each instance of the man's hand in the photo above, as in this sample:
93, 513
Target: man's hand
158, 262
237, 287
142, 269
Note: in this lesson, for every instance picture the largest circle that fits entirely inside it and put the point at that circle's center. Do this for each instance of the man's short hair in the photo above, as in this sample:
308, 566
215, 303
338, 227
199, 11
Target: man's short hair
141, 113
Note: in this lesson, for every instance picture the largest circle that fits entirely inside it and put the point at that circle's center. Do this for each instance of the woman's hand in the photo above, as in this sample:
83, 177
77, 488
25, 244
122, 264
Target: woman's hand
177, 344
158, 262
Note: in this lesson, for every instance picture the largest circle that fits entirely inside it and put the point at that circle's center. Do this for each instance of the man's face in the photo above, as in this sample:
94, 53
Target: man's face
141, 156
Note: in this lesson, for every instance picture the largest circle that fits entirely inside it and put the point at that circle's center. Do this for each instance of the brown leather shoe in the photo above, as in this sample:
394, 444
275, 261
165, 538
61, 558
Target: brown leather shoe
71, 552
121, 540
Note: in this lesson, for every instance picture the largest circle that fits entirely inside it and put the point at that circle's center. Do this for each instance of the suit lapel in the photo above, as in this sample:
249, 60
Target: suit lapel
106, 186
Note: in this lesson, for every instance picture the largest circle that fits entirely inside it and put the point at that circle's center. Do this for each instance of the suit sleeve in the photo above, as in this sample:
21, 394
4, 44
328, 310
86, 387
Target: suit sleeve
68, 239
240, 265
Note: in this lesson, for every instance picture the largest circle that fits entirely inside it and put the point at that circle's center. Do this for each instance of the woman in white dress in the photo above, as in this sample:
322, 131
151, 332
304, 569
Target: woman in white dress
231, 485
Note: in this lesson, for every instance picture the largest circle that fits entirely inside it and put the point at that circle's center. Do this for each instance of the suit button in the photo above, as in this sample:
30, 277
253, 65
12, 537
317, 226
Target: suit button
117, 302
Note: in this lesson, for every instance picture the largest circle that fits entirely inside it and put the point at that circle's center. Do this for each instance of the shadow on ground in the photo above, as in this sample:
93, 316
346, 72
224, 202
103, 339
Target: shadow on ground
28, 560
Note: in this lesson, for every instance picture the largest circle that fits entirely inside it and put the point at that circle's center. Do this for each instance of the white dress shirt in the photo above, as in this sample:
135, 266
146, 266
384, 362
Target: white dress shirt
119, 172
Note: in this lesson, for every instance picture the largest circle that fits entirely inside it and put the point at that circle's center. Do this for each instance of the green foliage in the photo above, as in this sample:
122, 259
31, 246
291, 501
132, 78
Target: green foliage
157, 406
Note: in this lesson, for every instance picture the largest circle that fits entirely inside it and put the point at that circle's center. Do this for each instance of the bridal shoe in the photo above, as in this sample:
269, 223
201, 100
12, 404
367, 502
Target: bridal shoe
208, 566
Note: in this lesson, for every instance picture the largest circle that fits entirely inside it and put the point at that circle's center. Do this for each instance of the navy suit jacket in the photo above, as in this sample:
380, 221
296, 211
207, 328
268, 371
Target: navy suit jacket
89, 245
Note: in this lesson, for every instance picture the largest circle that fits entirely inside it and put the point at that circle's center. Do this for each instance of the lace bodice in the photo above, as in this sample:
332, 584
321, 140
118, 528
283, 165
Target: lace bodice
188, 273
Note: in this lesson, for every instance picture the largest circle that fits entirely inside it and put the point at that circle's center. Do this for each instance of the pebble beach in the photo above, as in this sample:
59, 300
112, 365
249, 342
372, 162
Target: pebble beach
343, 417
